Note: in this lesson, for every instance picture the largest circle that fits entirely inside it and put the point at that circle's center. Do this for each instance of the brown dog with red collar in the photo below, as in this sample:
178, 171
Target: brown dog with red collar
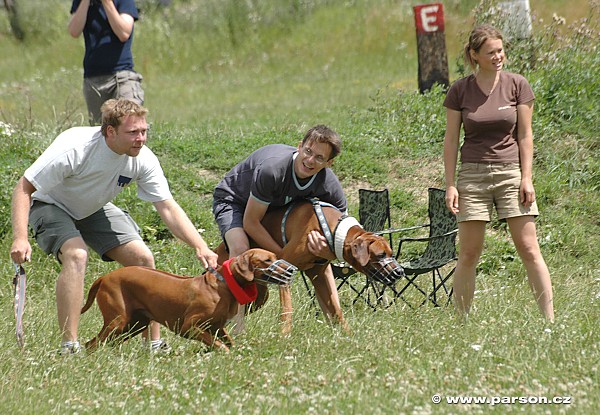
193, 307
366, 252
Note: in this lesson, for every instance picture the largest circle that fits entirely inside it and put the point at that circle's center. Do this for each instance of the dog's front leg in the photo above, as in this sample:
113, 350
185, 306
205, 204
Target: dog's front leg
224, 336
285, 298
209, 339
326, 292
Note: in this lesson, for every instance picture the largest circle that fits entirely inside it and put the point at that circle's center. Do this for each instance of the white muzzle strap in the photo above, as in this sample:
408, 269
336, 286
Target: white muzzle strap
341, 231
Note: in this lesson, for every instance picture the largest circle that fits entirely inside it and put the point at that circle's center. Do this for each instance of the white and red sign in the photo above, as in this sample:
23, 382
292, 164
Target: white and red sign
429, 18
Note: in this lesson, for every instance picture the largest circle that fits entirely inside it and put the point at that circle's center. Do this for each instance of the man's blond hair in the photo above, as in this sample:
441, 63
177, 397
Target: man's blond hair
114, 110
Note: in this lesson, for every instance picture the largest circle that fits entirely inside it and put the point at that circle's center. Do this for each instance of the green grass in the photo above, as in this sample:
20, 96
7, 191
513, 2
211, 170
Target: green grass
218, 86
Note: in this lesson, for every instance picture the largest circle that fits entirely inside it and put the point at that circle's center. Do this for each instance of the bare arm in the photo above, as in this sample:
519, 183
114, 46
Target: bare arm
121, 24
253, 214
78, 19
451, 142
181, 226
525, 138
21, 201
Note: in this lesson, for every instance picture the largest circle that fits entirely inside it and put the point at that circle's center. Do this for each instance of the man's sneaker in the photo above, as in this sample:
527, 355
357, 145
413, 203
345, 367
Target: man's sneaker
70, 347
160, 346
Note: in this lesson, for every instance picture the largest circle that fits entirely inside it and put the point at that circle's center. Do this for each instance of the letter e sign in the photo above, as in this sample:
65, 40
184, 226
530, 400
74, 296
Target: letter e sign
429, 18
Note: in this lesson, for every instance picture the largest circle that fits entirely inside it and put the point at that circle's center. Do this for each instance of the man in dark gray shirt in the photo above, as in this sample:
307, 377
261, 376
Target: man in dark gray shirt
274, 176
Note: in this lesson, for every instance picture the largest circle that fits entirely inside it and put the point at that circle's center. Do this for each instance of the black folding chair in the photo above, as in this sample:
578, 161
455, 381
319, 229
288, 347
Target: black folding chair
438, 257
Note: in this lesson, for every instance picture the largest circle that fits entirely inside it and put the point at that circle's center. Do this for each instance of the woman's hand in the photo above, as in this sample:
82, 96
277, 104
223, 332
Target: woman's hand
526, 193
452, 199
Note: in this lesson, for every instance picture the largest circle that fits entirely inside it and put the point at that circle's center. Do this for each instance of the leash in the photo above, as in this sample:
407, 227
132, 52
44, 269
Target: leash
19, 285
284, 221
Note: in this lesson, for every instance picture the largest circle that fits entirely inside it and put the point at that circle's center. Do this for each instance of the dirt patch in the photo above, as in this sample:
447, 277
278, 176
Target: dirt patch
210, 175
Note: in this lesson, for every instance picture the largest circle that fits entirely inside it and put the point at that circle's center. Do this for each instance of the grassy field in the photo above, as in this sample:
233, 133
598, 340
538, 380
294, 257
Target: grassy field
225, 77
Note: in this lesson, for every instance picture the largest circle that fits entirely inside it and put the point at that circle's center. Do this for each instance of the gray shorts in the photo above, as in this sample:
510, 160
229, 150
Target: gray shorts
228, 216
483, 186
99, 89
102, 231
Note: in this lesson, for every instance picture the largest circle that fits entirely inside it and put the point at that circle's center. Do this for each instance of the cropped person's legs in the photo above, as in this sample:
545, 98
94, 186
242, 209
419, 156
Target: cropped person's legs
132, 253
129, 85
524, 236
94, 97
55, 233
471, 236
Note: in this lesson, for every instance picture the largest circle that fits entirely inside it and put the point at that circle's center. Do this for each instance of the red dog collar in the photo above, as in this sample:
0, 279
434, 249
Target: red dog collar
243, 295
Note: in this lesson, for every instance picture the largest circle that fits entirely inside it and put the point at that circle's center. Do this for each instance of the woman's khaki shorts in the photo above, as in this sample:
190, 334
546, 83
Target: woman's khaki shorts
481, 186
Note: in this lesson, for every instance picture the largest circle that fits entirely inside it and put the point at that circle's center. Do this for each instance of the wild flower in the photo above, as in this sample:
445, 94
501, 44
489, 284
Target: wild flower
6, 130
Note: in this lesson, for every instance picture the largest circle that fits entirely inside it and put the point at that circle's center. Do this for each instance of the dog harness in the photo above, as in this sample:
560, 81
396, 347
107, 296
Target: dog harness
335, 239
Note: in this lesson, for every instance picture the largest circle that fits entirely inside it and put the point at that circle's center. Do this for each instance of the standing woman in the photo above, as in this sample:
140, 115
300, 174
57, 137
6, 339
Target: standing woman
495, 110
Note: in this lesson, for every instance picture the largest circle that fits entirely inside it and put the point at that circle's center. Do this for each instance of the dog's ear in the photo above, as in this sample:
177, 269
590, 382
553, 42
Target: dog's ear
360, 251
244, 265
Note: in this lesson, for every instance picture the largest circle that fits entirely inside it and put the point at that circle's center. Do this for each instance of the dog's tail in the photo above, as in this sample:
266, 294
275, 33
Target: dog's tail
92, 295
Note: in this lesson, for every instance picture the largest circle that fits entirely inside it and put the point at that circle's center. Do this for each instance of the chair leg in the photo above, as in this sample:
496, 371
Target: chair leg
379, 289
411, 282
442, 284
451, 288
361, 294
308, 290
398, 293
432, 295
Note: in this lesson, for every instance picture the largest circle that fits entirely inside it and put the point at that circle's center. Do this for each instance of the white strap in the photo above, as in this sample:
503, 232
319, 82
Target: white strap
341, 231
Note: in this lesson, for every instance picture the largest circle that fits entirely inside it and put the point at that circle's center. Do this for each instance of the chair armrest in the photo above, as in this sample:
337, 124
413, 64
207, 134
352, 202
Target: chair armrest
423, 239
428, 238
398, 230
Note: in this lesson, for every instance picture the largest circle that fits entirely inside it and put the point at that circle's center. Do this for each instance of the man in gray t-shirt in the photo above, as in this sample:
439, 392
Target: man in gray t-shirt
271, 177
65, 195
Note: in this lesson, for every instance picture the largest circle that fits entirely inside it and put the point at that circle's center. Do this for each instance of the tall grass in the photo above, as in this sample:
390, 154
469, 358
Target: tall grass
213, 99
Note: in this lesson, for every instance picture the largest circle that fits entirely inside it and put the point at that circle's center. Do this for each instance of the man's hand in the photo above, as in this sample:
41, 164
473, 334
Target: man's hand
317, 245
208, 257
20, 251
